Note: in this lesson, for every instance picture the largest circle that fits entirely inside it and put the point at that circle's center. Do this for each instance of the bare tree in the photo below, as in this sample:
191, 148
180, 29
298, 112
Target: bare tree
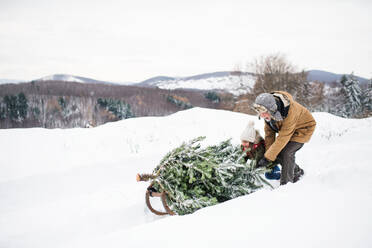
274, 72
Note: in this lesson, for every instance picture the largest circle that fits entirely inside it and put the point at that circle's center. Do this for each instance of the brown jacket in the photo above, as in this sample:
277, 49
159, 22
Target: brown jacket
298, 126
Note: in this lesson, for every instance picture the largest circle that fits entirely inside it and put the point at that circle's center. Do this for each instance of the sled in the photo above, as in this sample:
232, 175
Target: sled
150, 192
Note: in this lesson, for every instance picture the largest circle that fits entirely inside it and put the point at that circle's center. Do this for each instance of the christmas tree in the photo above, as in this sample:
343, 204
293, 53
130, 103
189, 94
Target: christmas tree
194, 177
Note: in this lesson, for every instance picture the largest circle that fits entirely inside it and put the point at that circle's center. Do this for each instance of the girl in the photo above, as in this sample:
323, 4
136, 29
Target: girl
254, 146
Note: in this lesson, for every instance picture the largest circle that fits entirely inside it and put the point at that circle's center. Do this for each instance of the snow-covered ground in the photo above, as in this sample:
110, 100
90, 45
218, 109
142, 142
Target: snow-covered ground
77, 188
236, 85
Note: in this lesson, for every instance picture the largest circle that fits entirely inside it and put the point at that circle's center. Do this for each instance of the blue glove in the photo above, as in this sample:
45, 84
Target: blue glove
274, 174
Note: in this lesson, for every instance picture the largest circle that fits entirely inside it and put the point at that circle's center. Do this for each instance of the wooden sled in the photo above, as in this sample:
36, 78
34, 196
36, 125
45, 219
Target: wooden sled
163, 198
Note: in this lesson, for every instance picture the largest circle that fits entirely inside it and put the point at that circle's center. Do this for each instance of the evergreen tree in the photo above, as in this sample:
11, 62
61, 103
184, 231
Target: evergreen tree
22, 106
2, 111
120, 109
353, 96
62, 102
213, 96
367, 99
194, 177
178, 102
11, 107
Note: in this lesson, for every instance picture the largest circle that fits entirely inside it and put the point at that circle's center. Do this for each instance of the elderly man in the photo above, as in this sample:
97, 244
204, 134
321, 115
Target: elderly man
288, 125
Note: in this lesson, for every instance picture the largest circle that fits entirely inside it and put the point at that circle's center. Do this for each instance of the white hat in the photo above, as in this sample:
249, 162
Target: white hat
249, 133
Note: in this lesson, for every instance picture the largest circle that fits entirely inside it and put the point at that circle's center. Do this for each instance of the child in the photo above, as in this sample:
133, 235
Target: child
254, 145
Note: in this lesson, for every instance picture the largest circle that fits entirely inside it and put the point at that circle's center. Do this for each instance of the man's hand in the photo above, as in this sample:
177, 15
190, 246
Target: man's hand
263, 162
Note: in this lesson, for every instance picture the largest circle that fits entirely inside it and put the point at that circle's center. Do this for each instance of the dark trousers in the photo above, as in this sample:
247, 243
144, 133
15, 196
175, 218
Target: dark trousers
287, 159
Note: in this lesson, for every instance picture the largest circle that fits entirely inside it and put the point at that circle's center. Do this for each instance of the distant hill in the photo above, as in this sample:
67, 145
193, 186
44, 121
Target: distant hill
72, 78
155, 80
232, 82
329, 77
229, 81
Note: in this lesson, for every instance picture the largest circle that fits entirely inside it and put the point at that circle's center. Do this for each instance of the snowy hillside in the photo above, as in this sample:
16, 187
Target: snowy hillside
77, 188
71, 78
235, 84
61, 77
230, 82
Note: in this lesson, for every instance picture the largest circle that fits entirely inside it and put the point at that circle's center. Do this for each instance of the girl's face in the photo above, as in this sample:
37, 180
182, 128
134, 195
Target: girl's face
245, 144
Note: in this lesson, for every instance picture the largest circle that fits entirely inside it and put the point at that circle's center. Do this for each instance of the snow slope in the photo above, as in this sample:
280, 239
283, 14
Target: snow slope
235, 84
61, 77
77, 188
72, 78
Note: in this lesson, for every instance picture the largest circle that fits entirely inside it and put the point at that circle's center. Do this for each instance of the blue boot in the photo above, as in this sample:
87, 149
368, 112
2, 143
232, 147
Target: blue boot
274, 174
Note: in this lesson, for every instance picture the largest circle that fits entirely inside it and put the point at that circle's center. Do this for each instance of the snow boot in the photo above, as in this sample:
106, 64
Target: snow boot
298, 173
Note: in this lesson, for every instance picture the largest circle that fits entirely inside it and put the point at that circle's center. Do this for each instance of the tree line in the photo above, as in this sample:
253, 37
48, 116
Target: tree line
54, 104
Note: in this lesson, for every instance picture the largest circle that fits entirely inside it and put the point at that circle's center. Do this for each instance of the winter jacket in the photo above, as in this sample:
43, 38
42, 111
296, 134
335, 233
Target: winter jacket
297, 126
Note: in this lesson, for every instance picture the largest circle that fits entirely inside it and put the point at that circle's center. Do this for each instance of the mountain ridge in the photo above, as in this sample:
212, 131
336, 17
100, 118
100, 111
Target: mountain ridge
72, 78
330, 77
313, 75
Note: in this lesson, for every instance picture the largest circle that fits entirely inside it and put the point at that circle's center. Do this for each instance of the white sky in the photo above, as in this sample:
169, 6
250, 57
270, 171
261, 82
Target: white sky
137, 39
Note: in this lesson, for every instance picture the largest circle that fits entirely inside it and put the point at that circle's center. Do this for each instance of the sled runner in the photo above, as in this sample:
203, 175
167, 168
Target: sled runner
151, 192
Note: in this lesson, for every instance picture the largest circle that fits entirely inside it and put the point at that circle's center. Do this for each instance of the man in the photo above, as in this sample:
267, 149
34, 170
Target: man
294, 125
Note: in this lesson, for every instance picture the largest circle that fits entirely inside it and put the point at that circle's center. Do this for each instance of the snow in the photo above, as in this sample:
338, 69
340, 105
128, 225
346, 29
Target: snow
72, 79
60, 77
236, 85
77, 188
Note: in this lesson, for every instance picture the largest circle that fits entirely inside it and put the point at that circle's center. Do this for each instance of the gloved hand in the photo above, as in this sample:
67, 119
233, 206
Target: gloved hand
263, 162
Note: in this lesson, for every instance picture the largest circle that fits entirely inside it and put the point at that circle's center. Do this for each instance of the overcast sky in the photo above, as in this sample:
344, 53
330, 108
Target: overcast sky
137, 39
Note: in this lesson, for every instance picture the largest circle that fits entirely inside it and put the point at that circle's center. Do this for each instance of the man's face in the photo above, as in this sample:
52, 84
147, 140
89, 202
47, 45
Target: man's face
265, 115
262, 111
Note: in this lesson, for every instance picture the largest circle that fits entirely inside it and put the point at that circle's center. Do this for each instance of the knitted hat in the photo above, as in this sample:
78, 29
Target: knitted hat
266, 101
249, 133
